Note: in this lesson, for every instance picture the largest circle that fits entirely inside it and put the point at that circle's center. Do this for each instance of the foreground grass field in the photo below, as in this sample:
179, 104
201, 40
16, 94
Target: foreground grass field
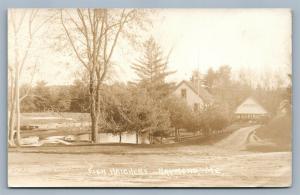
221, 161
132, 166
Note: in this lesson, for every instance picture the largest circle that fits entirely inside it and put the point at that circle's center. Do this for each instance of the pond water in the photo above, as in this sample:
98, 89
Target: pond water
129, 138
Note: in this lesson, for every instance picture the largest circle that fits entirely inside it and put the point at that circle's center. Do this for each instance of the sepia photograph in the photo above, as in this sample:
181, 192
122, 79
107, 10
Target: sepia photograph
113, 97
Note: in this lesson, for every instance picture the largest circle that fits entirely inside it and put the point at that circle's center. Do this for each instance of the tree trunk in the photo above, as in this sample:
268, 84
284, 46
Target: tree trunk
95, 121
17, 104
93, 110
94, 129
12, 125
11, 114
18, 121
137, 137
120, 137
177, 135
150, 138
205, 131
12, 121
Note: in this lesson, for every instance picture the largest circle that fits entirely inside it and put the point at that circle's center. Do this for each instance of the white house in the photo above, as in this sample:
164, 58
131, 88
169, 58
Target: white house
195, 96
250, 109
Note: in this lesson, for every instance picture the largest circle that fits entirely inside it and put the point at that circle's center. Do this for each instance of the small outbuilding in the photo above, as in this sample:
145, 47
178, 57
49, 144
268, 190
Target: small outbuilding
250, 109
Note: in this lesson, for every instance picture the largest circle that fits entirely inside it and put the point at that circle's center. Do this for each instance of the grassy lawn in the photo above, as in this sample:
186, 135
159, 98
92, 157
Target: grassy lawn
278, 131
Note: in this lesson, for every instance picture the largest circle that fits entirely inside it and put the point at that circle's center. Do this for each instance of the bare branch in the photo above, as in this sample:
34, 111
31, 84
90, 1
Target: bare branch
43, 23
76, 24
28, 47
71, 41
30, 86
86, 32
116, 36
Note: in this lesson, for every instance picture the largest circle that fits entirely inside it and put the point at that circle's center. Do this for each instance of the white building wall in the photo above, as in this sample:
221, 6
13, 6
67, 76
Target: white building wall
191, 97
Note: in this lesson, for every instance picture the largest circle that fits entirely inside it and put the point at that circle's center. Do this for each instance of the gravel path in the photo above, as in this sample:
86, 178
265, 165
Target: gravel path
239, 139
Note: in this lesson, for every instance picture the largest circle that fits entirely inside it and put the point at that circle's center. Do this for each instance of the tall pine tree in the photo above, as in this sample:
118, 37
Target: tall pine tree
152, 71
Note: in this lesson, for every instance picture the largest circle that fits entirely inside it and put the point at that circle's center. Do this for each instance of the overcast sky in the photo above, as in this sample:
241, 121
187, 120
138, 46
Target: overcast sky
258, 41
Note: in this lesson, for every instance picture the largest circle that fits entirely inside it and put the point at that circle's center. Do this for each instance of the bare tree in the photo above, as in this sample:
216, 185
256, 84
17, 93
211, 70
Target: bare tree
93, 35
22, 30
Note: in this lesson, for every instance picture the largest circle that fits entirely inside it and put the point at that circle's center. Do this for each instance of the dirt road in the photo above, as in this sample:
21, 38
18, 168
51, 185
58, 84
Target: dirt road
239, 139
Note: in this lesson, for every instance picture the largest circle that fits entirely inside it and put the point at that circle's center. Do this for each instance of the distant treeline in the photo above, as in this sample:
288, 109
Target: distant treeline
148, 104
142, 106
227, 92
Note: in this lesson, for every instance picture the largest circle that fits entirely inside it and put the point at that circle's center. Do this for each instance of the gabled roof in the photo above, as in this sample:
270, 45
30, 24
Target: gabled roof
250, 106
201, 92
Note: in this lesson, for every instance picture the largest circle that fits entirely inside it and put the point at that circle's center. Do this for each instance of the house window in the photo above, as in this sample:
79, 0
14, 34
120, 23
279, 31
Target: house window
196, 107
183, 93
